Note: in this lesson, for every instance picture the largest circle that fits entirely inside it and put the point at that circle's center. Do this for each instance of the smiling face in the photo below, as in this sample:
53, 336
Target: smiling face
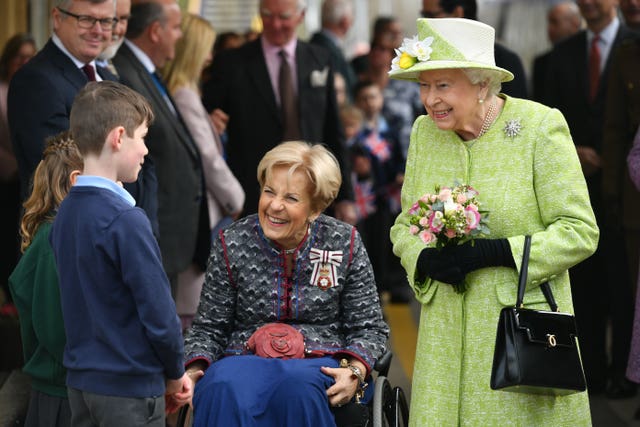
451, 100
285, 206
280, 18
84, 44
133, 150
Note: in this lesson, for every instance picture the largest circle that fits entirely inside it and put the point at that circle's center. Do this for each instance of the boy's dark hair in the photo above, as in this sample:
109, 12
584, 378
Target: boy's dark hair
363, 84
102, 106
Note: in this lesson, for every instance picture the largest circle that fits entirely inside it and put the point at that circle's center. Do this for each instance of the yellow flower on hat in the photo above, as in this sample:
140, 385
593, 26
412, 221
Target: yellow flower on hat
405, 61
412, 51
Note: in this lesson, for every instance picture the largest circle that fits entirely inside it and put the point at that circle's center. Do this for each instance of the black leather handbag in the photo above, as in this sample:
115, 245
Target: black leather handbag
536, 351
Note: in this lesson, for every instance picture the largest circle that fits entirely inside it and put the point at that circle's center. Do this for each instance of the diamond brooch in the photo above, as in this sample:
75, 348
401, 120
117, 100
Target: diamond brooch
512, 128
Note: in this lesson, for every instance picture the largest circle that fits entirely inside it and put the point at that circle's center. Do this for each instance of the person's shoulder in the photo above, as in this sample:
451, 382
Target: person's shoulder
335, 226
572, 42
317, 51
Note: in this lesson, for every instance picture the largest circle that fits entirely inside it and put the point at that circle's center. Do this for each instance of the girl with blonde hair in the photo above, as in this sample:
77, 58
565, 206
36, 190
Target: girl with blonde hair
34, 285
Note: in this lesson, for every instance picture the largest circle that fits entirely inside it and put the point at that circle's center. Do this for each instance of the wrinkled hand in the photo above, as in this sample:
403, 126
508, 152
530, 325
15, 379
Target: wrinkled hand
344, 388
219, 119
589, 160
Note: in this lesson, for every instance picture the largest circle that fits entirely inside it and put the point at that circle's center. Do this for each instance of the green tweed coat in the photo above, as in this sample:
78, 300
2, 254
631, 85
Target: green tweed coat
532, 183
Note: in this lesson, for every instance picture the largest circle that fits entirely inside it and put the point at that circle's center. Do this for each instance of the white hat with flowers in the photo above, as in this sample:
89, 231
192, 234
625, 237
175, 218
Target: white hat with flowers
444, 43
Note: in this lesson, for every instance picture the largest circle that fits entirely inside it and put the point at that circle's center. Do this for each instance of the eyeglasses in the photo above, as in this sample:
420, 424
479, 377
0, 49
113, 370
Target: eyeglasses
88, 22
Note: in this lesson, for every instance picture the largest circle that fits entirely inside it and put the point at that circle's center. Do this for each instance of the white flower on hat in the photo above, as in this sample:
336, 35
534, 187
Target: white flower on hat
412, 51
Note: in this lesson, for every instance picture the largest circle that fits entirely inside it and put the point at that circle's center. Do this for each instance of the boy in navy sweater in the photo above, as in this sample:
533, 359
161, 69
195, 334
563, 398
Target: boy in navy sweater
124, 348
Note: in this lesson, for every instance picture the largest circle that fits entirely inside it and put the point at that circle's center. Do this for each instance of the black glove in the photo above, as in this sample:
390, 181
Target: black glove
452, 263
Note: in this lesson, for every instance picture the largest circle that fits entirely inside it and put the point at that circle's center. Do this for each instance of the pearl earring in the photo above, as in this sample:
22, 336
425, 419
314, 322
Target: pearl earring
480, 101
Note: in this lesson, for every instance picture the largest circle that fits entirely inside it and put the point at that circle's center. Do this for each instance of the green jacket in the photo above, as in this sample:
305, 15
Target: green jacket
34, 287
531, 183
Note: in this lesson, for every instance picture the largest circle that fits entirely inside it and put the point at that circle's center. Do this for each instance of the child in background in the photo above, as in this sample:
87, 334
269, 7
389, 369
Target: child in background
124, 339
34, 285
378, 164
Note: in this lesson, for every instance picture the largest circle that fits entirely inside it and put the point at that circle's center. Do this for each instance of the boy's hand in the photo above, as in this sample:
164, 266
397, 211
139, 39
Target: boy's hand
178, 393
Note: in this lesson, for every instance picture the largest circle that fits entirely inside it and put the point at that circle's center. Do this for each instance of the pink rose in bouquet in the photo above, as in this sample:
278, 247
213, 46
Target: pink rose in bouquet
449, 216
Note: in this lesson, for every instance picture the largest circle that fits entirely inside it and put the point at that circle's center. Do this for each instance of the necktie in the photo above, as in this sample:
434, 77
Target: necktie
90, 72
163, 91
288, 101
594, 67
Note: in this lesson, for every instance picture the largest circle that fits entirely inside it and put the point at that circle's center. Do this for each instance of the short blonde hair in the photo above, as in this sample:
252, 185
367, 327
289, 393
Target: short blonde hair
192, 49
315, 160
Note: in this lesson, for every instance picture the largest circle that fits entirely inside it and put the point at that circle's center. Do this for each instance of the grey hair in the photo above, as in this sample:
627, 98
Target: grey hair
302, 5
481, 75
334, 10
66, 4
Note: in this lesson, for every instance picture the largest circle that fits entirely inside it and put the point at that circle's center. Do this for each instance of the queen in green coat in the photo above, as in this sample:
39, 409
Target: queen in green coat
520, 158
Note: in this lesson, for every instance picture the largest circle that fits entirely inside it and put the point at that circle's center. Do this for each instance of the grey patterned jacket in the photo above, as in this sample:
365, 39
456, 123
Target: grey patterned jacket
246, 287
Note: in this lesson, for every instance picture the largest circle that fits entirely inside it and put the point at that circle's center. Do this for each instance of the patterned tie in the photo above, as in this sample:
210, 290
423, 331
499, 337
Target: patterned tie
90, 72
288, 101
594, 67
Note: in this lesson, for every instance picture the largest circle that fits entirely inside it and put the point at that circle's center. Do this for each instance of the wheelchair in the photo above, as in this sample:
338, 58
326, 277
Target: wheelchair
388, 408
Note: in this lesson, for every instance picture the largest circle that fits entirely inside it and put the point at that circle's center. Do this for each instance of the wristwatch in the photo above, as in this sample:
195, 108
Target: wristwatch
355, 373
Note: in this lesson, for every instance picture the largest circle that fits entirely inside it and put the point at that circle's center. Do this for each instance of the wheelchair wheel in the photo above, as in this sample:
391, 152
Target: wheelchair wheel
383, 403
389, 405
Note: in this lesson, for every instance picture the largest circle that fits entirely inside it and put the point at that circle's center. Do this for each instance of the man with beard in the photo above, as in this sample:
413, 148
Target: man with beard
123, 12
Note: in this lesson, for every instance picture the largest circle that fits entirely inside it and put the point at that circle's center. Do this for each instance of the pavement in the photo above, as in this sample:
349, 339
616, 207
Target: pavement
403, 320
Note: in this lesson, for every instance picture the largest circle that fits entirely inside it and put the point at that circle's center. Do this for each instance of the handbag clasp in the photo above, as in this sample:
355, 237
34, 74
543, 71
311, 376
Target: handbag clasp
551, 340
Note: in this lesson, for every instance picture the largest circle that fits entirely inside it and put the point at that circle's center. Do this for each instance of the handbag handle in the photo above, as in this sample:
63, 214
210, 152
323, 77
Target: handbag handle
522, 279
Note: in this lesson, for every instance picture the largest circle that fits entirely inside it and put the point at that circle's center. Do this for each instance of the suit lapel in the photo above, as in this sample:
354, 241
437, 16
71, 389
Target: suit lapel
67, 68
161, 109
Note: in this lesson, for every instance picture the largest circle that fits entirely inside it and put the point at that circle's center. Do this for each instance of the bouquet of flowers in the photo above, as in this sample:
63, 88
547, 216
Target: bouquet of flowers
449, 216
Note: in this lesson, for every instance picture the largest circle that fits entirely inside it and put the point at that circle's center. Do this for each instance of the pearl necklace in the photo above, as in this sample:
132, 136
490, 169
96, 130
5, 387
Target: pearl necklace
488, 119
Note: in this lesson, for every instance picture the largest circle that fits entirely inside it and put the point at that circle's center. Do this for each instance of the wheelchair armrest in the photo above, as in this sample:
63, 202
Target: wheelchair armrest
383, 364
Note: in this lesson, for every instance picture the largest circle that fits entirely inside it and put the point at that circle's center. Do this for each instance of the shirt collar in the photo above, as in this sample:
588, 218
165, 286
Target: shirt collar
56, 40
142, 57
608, 33
101, 182
270, 49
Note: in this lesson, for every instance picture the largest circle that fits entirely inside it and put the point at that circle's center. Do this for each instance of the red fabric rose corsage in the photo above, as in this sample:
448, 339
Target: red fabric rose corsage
277, 340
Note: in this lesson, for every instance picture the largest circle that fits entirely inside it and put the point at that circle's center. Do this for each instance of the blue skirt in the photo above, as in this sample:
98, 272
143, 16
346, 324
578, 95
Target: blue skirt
255, 391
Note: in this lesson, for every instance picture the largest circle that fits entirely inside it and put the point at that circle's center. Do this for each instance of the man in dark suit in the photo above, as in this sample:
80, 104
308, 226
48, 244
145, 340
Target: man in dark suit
576, 84
42, 91
505, 57
563, 20
154, 28
337, 18
245, 84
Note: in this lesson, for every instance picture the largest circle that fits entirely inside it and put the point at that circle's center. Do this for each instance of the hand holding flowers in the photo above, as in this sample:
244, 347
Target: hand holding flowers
449, 217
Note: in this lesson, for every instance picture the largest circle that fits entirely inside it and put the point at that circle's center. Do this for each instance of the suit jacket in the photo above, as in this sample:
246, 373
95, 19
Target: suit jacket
622, 119
340, 64
182, 216
509, 60
241, 87
39, 104
539, 77
567, 88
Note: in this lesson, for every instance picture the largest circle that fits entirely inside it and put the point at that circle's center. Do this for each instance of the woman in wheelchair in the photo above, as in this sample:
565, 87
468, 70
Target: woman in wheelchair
289, 323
